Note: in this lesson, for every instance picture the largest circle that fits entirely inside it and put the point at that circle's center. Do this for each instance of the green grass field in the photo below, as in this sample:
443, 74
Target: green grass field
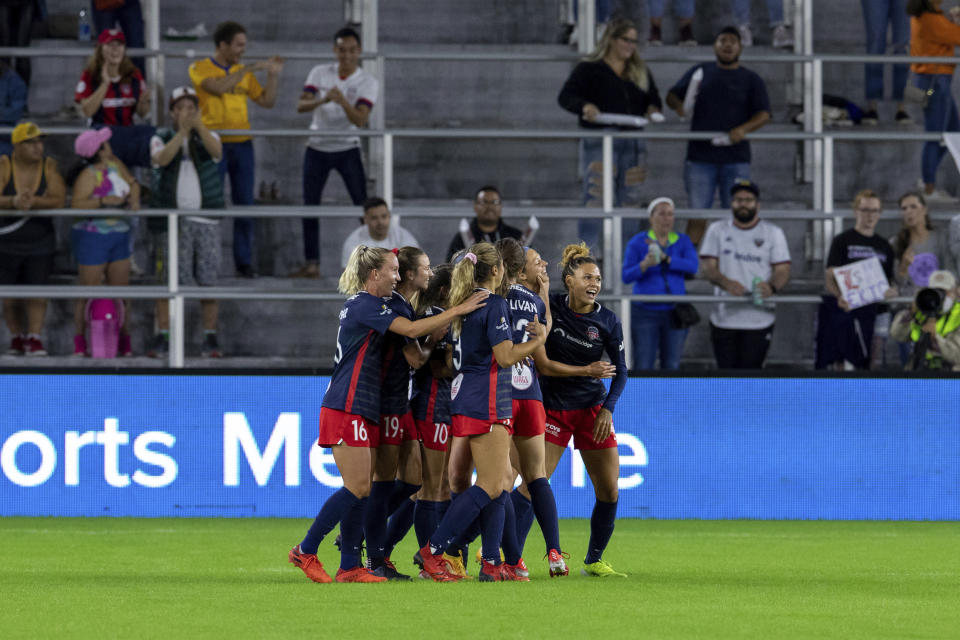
173, 578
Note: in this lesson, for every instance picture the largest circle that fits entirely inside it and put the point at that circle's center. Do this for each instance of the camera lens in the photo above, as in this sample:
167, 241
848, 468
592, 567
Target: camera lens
929, 301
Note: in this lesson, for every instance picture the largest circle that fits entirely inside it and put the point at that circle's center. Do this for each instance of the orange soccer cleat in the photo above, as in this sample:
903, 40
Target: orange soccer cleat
557, 565
309, 564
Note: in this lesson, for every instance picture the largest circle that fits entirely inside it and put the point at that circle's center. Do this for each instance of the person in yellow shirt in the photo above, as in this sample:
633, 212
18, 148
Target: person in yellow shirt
223, 85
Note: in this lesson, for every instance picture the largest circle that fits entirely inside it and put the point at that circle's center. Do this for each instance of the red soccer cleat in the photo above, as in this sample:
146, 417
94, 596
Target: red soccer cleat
490, 572
516, 572
358, 574
434, 565
309, 564
557, 565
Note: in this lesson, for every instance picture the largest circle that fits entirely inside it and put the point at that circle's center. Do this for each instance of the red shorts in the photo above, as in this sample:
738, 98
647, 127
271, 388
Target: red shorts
578, 423
393, 426
337, 427
411, 429
464, 426
529, 418
434, 435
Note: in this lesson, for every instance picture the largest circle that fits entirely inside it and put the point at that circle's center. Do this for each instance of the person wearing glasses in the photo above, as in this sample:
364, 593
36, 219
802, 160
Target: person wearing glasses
613, 80
487, 226
844, 335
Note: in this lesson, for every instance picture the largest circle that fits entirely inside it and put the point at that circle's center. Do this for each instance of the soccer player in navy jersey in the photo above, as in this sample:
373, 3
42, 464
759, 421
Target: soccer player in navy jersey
581, 407
351, 404
396, 474
526, 288
483, 353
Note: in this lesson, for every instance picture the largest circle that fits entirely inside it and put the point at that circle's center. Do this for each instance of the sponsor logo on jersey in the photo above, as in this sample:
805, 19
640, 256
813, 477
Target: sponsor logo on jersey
522, 377
385, 310
343, 313
553, 429
593, 333
582, 343
503, 323
746, 257
455, 386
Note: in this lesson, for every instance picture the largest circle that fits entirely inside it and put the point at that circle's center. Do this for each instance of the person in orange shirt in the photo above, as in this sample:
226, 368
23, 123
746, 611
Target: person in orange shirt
223, 85
934, 34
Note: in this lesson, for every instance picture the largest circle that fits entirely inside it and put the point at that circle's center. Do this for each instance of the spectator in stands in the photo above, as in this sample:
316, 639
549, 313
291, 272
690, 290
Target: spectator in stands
744, 255
101, 244
934, 34
780, 35
614, 80
340, 95
845, 335
223, 86
127, 15
28, 180
377, 231
934, 333
719, 96
878, 15
16, 25
683, 14
186, 176
13, 103
657, 262
111, 90
487, 226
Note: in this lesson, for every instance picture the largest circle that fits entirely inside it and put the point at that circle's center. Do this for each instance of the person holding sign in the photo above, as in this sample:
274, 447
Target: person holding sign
846, 316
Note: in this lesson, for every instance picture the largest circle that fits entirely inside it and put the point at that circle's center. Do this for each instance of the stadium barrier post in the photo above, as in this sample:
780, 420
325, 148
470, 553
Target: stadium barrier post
176, 300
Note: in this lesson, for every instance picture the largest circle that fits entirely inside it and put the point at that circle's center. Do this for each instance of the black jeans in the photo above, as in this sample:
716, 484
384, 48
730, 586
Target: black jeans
16, 22
740, 348
317, 166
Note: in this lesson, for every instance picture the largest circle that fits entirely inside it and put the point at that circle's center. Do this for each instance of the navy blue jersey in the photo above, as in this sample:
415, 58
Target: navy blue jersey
395, 374
524, 304
431, 396
481, 388
355, 383
579, 339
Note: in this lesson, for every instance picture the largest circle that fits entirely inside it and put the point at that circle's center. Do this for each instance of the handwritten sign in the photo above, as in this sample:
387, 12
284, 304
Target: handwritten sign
862, 282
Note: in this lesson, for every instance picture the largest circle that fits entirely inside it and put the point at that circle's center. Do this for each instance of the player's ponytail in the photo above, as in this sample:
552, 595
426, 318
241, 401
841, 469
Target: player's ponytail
362, 261
511, 252
573, 256
473, 269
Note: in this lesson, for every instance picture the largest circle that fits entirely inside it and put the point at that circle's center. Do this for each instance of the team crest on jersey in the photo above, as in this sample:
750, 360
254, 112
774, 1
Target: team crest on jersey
455, 386
758, 242
593, 333
522, 377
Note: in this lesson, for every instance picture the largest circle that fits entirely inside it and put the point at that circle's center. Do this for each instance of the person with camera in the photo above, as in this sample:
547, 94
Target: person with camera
931, 325
656, 262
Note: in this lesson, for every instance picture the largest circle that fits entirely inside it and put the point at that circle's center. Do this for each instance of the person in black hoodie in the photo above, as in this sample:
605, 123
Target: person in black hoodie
613, 80
487, 226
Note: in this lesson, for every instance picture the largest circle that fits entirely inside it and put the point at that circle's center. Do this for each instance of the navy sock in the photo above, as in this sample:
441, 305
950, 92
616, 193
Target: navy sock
491, 524
545, 508
375, 518
511, 548
458, 517
454, 547
524, 511
426, 517
351, 531
401, 492
398, 526
330, 514
601, 528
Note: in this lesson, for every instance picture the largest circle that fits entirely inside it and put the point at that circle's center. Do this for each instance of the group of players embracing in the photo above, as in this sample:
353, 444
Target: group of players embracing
504, 375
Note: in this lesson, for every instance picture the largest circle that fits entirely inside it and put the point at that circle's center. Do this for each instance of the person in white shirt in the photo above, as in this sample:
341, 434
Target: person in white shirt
185, 159
340, 95
744, 256
377, 231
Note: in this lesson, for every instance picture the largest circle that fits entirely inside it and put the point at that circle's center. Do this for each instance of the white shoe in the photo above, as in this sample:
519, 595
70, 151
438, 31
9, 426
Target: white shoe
782, 37
574, 37
746, 36
939, 196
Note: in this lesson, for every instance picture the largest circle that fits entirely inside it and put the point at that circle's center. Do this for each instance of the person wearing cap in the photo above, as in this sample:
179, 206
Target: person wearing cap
934, 335
128, 14
101, 244
744, 255
657, 262
223, 85
844, 335
341, 96
110, 92
718, 96
186, 176
28, 180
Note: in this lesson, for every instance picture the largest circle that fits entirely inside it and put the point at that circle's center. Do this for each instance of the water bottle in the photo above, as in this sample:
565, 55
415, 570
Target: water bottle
757, 295
656, 251
84, 28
